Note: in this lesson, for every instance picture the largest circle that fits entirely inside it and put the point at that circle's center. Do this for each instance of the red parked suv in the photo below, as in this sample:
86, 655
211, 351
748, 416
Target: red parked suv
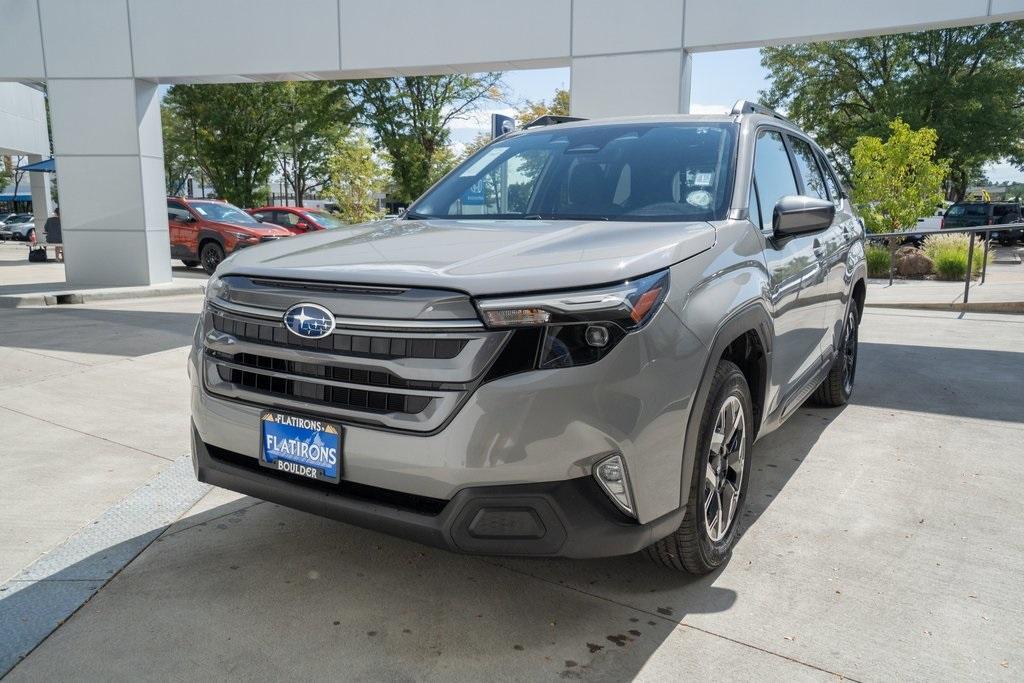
204, 231
297, 219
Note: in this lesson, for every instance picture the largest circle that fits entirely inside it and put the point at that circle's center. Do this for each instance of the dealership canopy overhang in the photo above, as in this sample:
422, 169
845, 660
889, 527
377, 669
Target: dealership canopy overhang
44, 166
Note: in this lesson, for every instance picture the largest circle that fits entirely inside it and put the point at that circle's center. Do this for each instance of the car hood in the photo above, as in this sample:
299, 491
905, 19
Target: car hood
478, 256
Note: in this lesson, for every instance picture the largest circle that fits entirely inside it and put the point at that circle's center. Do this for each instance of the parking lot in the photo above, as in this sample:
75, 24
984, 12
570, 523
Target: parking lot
882, 540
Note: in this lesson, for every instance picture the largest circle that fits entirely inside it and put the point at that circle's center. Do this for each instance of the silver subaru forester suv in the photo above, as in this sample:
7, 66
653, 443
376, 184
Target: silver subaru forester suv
567, 347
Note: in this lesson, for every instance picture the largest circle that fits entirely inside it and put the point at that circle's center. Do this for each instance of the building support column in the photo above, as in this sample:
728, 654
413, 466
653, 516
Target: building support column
108, 147
42, 202
631, 84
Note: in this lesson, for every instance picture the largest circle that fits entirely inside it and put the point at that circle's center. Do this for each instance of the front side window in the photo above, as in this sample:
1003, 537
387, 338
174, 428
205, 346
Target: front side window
616, 172
807, 164
772, 172
177, 212
223, 212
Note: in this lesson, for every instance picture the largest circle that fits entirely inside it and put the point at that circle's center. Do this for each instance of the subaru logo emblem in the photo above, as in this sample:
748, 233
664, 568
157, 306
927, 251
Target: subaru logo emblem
309, 321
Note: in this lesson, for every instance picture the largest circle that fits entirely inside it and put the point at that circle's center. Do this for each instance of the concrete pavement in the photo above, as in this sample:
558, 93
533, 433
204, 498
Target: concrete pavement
43, 284
883, 540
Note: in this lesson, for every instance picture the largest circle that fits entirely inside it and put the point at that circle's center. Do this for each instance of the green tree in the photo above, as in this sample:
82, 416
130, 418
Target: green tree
179, 150
898, 180
356, 174
317, 115
966, 83
5, 171
532, 111
410, 115
236, 129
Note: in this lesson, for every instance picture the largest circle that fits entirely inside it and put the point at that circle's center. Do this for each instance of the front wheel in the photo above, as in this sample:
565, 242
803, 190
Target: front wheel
211, 255
718, 488
835, 391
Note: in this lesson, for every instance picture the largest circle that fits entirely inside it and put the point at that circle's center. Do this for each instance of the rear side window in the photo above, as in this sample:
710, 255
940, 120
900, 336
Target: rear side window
772, 172
807, 164
831, 182
976, 210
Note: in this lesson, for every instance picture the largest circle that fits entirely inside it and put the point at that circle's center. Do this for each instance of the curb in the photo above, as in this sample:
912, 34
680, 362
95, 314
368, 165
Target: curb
1016, 307
45, 594
87, 296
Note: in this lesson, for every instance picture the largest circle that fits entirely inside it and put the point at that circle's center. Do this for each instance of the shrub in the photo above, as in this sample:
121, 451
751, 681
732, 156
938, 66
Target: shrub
949, 254
878, 260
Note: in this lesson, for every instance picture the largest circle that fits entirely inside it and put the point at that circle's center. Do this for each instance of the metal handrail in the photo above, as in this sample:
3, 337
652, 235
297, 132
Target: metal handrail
987, 229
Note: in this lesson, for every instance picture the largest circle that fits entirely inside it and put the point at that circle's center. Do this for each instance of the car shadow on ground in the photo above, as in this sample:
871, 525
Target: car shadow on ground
279, 592
108, 331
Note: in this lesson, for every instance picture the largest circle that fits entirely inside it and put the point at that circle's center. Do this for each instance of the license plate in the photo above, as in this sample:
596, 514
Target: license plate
304, 446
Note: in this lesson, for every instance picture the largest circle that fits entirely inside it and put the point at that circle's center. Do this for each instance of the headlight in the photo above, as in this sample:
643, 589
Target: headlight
243, 236
578, 327
216, 288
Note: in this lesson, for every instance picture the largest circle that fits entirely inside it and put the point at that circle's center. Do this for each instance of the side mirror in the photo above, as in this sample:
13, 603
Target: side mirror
795, 215
303, 225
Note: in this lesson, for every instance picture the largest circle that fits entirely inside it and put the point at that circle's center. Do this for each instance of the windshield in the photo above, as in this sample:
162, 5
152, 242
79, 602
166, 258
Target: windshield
617, 172
223, 212
324, 219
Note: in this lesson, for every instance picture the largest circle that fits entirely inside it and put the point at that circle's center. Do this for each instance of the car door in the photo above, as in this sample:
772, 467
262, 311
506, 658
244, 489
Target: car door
794, 271
832, 246
179, 228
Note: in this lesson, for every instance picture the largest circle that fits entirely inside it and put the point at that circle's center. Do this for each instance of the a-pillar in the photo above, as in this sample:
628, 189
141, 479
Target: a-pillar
108, 146
628, 58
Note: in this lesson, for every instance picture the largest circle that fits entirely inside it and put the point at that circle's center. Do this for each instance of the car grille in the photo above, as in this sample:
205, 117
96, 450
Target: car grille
412, 378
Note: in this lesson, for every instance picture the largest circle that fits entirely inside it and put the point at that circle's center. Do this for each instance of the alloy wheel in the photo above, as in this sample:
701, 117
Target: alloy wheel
724, 470
849, 352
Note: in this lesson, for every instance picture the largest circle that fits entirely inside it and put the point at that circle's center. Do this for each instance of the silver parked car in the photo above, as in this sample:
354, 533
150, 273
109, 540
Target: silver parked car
21, 226
567, 347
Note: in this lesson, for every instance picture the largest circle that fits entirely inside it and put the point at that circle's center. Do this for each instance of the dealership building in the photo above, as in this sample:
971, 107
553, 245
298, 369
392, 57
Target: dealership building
102, 61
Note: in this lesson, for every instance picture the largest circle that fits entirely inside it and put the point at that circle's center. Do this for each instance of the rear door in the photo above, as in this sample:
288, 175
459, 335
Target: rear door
794, 271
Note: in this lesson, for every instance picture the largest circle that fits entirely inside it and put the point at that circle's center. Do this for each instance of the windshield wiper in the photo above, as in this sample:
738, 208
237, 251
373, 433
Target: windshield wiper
413, 216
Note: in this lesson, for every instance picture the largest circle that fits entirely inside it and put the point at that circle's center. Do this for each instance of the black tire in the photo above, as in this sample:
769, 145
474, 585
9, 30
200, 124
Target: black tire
691, 547
190, 264
210, 255
838, 385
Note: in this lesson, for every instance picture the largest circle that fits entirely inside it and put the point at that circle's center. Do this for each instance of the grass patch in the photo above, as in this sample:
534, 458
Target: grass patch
877, 256
949, 254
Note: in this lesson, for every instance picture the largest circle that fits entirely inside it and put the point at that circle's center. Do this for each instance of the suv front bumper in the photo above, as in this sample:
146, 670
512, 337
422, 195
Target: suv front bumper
570, 518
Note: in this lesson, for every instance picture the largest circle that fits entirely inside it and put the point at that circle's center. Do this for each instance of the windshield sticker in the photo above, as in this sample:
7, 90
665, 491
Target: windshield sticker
699, 198
483, 162
200, 209
703, 179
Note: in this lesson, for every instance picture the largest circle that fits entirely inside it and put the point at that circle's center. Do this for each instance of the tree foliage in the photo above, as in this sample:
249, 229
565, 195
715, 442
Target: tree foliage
409, 117
235, 129
179, 150
356, 174
532, 111
5, 171
965, 83
898, 180
316, 115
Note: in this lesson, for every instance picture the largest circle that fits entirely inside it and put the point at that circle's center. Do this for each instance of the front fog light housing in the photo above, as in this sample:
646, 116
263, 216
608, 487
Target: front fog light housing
613, 478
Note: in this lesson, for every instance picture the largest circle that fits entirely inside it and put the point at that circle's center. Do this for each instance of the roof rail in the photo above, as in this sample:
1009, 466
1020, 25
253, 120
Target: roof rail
748, 107
551, 120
